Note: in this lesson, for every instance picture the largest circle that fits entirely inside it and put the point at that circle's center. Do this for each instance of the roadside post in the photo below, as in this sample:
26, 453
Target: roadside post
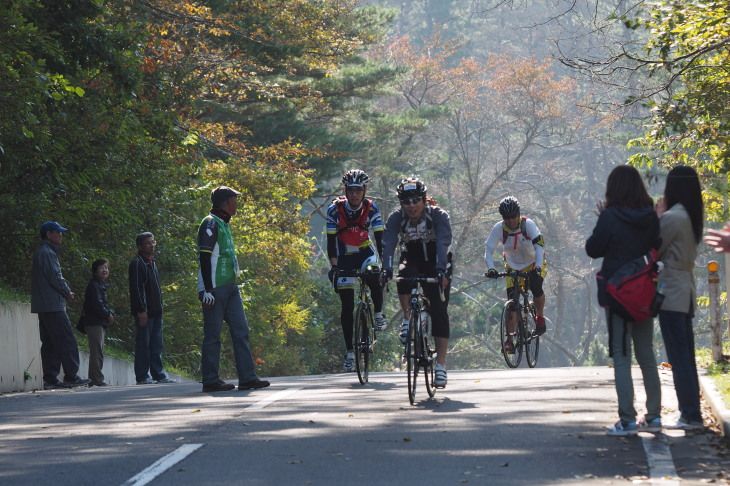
713, 281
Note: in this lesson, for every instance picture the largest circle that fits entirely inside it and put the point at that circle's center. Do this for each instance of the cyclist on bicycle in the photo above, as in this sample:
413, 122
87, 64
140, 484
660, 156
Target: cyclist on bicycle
349, 221
424, 232
524, 250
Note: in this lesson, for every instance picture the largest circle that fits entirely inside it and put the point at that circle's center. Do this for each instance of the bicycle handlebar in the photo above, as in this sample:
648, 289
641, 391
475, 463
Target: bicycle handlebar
510, 273
356, 273
417, 279
431, 280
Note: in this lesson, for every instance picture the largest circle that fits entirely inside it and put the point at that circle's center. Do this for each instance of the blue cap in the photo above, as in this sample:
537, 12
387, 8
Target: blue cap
51, 226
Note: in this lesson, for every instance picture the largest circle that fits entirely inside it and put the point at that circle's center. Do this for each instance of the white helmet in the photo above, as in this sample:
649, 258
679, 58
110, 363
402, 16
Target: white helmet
370, 265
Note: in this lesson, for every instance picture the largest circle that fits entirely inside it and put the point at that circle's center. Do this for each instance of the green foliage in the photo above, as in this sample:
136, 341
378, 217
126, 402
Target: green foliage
690, 123
118, 120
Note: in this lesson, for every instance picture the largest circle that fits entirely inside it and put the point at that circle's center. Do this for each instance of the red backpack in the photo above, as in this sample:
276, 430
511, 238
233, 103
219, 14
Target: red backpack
631, 291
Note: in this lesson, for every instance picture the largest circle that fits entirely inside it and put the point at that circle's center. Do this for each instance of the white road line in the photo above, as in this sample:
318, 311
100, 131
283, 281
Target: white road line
659, 458
162, 465
272, 398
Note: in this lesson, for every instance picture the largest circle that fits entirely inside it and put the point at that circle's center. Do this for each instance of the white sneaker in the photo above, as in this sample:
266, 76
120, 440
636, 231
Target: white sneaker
404, 332
381, 323
683, 424
349, 363
441, 377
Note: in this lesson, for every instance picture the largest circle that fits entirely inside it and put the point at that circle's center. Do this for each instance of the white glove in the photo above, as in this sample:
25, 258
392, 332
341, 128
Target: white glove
208, 298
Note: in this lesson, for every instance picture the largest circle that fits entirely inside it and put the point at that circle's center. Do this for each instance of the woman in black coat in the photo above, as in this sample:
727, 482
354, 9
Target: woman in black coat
628, 228
97, 316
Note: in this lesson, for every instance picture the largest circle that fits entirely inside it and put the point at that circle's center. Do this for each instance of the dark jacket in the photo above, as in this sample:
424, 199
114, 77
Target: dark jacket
145, 294
96, 305
48, 287
622, 234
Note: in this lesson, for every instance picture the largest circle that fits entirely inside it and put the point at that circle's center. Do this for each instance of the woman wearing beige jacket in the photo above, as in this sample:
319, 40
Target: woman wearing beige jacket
681, 220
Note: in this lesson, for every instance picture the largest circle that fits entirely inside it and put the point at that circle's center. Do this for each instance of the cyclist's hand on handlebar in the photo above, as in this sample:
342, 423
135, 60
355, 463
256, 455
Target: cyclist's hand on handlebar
492, 273
538, 270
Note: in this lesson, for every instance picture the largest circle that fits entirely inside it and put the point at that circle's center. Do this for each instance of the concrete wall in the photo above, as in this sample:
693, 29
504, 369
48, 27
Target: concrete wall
20, 351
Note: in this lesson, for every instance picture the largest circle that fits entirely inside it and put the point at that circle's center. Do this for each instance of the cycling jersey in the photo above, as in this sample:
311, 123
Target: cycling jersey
214, 237
521, 249
351, 235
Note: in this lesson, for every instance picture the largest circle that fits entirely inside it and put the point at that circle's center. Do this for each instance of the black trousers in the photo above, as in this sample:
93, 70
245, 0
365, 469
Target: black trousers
58, 346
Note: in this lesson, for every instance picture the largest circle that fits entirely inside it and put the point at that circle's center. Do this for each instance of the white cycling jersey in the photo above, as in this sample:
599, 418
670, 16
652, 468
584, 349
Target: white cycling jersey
520, 250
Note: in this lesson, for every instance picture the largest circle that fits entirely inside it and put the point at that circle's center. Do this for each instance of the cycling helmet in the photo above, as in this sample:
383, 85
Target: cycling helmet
509, 207
411, 187
370, 265
355, 178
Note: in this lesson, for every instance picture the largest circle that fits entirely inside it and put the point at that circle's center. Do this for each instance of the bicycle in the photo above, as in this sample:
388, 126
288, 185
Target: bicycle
364, 335
420, 349
526, 335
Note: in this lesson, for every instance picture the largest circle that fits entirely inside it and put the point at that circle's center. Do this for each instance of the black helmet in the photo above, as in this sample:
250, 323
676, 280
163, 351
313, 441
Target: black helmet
355, 178
509, 207
411, 187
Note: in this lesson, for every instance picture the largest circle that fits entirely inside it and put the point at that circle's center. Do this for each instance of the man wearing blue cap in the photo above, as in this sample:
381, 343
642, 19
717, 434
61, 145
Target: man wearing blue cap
49, 294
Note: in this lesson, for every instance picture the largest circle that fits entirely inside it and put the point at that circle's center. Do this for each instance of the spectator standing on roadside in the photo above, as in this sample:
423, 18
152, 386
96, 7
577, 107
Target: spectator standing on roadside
628, 228
145, 296
681, 216
220, 297
49, 293
97, 316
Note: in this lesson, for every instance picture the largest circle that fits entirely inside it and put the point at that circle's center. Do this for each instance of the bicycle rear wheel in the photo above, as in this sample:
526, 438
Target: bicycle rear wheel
361, 344
532, 340
412, 352
512, 359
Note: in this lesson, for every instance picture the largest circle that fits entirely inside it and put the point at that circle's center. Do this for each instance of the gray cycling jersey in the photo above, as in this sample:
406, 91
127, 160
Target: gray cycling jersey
433, 227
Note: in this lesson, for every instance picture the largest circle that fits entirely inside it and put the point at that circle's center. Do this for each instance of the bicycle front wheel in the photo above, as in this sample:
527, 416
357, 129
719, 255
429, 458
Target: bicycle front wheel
428, 357
412, 353
361, 344
532, 340
513, 358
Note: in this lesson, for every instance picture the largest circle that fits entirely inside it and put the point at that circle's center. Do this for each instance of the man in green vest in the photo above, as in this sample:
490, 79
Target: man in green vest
221, 299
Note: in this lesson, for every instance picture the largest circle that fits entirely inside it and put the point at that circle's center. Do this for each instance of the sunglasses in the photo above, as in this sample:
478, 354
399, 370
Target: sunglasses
411, 201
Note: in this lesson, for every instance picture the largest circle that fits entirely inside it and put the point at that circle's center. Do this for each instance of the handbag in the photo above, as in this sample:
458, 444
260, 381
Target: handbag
81, 325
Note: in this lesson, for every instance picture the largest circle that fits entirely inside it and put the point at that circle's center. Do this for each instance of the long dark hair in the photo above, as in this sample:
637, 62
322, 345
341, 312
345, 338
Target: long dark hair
625, 188
683, 186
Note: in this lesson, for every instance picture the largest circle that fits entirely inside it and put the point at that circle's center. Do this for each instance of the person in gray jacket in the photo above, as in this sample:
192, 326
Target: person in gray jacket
49, 293
681, 218
424, 231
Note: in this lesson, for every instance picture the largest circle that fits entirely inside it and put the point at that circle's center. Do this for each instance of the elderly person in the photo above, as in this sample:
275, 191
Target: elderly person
49, 294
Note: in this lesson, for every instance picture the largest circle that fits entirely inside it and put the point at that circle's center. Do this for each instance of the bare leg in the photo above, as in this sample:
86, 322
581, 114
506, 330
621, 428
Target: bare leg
405, 305
540, 305
442, 346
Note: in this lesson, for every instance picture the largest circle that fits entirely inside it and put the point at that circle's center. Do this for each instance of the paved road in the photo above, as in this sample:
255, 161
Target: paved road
541, 426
